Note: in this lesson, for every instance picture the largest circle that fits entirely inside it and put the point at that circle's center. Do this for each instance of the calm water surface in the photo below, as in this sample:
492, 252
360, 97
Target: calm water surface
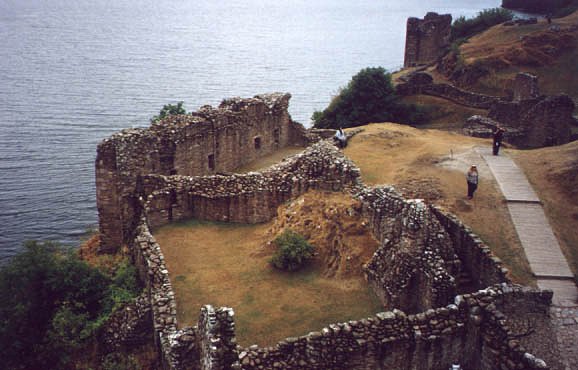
72, 72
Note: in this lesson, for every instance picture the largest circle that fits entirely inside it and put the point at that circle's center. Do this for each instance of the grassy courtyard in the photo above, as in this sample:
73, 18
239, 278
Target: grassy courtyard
227, 265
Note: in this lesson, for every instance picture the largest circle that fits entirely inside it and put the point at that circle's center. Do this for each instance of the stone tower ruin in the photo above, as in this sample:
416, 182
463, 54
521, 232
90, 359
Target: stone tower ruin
426, 39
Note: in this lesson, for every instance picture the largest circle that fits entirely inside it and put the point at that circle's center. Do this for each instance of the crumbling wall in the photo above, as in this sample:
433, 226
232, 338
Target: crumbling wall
426, 39
475, 256
209, 141
530, 121
422, 83
415, 253
544, 121
247, 198
525, 87
470, 330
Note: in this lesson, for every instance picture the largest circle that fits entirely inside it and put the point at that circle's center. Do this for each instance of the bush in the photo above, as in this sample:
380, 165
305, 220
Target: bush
369, 97
170, 110
52, 303
293, 251
464, 28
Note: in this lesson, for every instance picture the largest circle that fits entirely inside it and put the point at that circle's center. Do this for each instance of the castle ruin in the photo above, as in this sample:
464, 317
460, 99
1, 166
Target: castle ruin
175, 170
426, 39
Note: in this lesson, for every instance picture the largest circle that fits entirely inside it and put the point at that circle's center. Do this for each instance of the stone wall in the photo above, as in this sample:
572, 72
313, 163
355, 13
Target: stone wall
415, 253
475, 256
422, 83
421, 252
525, 87
247, 198
470, 330
544, 121
426, 39
530, 122
210, 141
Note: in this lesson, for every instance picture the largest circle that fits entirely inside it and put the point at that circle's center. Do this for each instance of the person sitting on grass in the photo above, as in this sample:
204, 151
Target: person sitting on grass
340, 138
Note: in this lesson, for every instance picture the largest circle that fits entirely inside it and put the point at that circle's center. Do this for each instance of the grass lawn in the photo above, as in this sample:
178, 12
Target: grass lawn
227, 265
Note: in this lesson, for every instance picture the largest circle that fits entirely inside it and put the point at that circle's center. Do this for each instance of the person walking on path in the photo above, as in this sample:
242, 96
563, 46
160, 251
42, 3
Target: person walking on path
472, 179
498, 136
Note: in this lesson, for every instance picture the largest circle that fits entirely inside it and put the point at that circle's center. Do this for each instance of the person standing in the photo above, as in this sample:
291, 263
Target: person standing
498, 136
472, 179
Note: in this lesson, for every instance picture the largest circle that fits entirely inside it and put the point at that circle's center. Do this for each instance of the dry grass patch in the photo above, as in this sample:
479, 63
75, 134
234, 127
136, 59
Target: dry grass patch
227, 265
418, 163
553, 172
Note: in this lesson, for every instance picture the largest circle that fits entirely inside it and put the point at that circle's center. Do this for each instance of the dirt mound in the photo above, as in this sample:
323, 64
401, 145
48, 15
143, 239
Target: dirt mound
333, 223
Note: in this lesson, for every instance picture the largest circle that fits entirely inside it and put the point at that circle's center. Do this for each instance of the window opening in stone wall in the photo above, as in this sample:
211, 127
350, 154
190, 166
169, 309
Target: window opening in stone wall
277, 135
211, 162
257, 141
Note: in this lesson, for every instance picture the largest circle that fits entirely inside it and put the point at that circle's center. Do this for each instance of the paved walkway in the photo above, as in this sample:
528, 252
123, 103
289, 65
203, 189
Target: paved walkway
541, 246
542, 250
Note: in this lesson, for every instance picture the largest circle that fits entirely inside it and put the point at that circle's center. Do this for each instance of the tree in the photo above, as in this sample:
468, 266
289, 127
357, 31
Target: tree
52, 302
368, 97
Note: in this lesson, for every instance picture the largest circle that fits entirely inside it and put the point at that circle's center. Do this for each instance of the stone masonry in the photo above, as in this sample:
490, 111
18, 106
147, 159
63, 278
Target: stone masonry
210, 141
427, 326
426, 39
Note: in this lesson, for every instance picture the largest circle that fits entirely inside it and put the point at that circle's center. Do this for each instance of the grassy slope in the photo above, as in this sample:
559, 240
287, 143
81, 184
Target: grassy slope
417, 163
556, 73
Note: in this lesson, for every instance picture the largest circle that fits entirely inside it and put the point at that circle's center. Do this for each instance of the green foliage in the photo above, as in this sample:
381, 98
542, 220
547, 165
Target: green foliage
464, 28
170, 110
52, 302
293, 251
115, 361
369, 97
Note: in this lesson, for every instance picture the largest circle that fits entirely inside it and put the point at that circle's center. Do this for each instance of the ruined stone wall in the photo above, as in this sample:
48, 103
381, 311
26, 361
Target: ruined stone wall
469, 330
475, 256
209, 141
247, 198
415, 253
544, 121
422, 83
426, 39
525, 87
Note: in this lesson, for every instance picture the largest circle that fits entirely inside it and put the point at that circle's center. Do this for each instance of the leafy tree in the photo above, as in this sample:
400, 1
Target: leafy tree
293, 251
368, 97
464, 27
170, 110
52, 302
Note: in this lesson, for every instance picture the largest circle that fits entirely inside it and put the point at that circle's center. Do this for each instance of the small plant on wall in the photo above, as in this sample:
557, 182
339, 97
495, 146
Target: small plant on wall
293, 251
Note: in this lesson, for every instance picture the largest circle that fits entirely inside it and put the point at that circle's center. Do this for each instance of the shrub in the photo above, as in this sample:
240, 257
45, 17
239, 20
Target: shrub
464, 28
368, 97
170, 110
52, 303
293, 251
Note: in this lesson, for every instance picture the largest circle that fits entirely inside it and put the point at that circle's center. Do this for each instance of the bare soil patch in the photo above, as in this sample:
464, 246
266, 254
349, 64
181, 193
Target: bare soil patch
431, 165
227, 265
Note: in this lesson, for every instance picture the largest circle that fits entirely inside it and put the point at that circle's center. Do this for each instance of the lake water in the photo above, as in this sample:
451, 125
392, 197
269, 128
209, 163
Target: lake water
72, 72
